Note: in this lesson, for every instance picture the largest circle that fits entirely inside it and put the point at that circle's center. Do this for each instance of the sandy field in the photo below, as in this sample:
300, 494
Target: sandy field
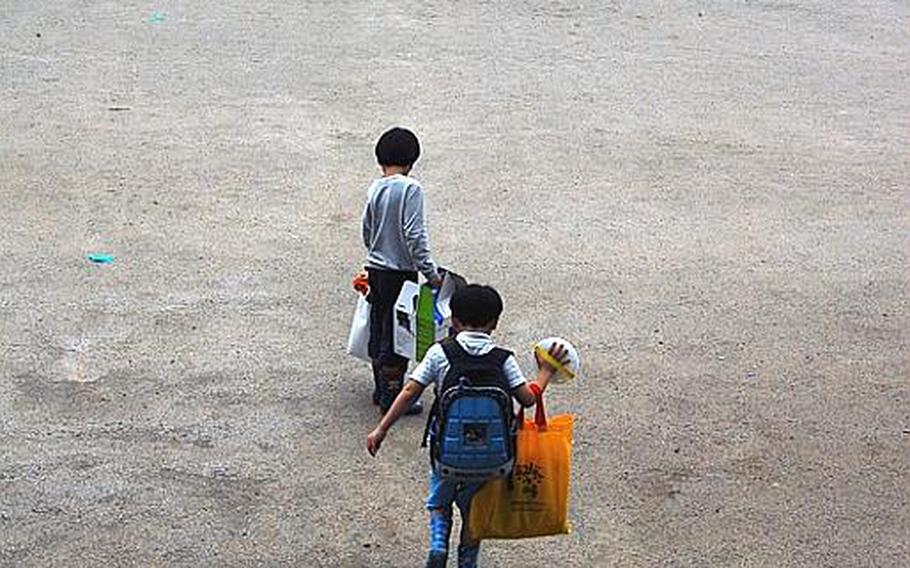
710, 199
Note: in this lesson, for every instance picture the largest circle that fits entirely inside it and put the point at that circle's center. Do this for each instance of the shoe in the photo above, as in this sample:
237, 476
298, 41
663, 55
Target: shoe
378, 384
467, 556
389, 383
437, 559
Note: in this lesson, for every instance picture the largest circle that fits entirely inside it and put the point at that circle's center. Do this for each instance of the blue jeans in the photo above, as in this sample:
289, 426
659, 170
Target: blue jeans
444, 492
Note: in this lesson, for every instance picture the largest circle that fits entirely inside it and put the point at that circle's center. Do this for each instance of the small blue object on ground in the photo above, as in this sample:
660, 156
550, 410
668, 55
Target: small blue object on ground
156, 17
100, 258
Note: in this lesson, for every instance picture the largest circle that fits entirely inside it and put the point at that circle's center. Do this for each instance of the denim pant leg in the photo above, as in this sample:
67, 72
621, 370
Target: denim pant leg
463, 498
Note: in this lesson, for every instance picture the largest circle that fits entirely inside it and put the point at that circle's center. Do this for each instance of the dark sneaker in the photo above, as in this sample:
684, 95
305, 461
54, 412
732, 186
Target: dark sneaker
437, 559
378, 384
467, 556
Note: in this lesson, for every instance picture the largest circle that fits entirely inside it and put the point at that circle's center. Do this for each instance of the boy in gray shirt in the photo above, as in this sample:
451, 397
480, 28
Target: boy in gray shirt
397, 243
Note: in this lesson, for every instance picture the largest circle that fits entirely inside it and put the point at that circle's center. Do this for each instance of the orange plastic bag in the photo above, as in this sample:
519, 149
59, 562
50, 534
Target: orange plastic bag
534, 501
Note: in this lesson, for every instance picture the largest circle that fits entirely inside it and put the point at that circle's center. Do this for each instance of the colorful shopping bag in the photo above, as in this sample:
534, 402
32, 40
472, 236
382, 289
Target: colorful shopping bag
422, 315
534, 500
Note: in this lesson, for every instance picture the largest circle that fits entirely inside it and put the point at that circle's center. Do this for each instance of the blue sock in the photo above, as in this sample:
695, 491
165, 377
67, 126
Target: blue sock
440, 526
467, 556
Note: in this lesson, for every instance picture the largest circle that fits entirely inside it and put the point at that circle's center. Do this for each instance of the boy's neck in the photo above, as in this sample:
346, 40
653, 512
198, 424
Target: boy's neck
483, 330
388, 171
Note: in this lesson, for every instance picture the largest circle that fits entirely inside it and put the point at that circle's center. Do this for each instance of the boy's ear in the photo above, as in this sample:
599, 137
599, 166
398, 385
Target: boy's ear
494, 323
456, 323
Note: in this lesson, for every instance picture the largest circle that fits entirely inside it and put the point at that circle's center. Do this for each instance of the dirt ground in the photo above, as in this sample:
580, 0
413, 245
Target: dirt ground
710, 199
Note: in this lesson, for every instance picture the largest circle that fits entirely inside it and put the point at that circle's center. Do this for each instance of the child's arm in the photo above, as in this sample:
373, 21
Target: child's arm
366, 225
426, 373
525, 393
416, 235
411, 391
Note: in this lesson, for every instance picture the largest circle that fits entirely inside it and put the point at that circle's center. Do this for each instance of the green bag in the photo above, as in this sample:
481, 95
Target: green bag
426, 321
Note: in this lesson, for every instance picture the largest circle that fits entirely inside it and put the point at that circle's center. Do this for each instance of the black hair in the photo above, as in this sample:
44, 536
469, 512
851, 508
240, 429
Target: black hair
397, 147
476, 306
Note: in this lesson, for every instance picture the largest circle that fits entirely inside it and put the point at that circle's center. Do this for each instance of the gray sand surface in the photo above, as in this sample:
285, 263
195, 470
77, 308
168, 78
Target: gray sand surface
710, 199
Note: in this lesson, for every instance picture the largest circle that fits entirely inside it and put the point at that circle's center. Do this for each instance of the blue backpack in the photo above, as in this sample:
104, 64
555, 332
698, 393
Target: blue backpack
471, 426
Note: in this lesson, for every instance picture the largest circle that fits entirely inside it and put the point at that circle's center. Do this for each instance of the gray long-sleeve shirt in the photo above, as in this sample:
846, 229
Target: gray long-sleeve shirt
394, 231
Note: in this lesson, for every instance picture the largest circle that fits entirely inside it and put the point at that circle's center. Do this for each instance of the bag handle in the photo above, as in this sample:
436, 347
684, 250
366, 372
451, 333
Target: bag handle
540, 413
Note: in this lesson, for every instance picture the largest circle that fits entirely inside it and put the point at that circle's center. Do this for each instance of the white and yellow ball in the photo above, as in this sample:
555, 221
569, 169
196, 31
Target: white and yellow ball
564, 372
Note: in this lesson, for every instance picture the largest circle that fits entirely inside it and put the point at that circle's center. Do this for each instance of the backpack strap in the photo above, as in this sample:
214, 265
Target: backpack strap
449, 351
460, 361
455, 353
500, 355
428, 425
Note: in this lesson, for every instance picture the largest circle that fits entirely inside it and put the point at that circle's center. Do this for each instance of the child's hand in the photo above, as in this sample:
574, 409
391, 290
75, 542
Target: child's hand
374, 440
557, 351
361, 283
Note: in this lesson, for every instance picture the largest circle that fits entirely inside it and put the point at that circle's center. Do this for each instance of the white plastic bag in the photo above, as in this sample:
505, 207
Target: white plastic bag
359, 338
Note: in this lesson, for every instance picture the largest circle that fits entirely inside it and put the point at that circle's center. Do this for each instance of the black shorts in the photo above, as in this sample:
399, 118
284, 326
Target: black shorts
385, 285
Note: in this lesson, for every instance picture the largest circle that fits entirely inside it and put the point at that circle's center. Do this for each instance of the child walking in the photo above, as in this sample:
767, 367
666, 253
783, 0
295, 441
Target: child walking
397, 243
475, 314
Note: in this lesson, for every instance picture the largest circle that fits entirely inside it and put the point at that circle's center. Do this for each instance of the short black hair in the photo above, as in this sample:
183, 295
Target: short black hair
397, 147
476, 305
